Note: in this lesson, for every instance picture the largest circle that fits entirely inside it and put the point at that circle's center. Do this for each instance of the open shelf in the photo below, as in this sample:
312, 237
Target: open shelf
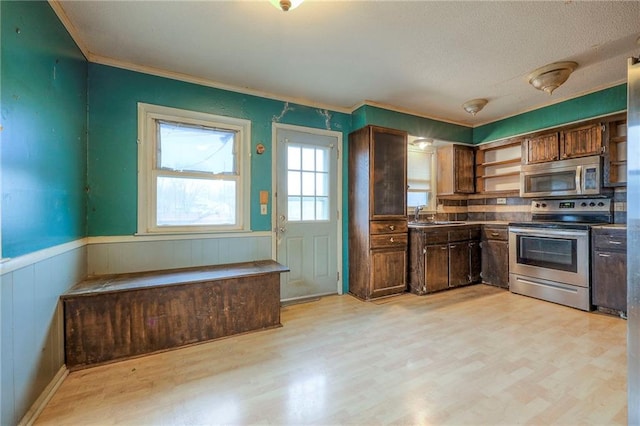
498, 167
499, 175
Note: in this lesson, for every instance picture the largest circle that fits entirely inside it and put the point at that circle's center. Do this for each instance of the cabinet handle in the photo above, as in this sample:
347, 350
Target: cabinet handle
454, 246
604, 255
391, 239
444, 248
495, 234
424, 251
615, 242
392, 227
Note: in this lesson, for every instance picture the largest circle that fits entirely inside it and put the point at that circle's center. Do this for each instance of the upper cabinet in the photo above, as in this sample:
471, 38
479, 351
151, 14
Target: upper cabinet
541, 148
615, 152
571, 142
581, 141
498, 166
389, 173
456, 168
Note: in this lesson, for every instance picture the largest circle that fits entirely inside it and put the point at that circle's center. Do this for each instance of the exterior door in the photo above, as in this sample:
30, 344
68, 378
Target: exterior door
306, 214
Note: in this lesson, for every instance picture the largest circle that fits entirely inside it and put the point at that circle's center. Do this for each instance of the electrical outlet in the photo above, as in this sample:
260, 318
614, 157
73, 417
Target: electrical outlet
501, 201
263, 209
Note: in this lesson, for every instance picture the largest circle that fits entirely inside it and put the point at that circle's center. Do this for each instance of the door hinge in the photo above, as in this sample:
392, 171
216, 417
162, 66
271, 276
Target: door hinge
338, 276
338, 214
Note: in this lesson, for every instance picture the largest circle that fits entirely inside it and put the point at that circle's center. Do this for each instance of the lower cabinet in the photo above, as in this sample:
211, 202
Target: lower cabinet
609, 268
495, 258
388, 271
443, 257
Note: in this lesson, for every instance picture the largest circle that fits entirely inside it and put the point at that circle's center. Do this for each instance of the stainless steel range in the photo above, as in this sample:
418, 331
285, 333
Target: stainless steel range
549, 256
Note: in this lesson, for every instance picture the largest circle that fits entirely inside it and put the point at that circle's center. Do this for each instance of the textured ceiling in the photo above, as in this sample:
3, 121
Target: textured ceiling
421, 57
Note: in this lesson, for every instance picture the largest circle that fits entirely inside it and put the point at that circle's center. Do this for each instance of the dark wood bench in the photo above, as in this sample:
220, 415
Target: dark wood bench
115, 317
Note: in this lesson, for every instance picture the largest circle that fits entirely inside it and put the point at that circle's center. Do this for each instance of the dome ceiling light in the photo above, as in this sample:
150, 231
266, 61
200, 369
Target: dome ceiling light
422, 143
549, 77
474, 106
286, 5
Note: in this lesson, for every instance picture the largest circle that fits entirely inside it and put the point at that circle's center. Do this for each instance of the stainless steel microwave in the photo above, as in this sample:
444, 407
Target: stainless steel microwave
578, 176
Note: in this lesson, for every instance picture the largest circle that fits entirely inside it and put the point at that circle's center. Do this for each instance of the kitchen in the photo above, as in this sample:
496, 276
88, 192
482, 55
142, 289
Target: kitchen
111, 197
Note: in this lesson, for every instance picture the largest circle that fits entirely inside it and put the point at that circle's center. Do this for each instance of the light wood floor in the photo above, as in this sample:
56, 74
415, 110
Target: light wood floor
476, 355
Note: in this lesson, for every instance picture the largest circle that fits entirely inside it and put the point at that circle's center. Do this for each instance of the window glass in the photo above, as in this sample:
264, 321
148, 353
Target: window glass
193, 175
308, 183
421, 171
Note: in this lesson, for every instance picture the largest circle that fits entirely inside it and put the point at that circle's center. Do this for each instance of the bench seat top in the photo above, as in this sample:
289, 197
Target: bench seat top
140, 280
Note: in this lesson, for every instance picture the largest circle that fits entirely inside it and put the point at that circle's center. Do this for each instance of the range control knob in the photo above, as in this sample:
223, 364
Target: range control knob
600, 204
591, 204
583, 204
537, 205
544, 205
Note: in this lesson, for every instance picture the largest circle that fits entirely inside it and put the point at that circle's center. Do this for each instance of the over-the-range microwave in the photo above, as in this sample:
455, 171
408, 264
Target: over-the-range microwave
578, 176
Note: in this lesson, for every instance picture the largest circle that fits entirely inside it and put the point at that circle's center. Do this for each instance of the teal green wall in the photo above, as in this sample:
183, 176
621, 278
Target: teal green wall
112, 149
594, 104
414, 125
44, 98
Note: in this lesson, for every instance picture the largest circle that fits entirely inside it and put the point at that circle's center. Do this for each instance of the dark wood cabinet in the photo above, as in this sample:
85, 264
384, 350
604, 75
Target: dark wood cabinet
495, 255
609, 268
377, 212
456, 170
581, 141
570, 142
615, 152
541, 148
443, 257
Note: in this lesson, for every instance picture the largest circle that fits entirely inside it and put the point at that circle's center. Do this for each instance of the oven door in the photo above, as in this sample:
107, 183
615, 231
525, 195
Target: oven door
550, 254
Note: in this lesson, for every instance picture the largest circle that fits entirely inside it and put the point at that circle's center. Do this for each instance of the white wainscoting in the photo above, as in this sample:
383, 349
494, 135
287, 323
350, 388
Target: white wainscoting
117, 255
32, 324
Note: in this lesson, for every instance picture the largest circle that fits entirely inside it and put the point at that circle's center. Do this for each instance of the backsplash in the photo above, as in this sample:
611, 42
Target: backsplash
516, 209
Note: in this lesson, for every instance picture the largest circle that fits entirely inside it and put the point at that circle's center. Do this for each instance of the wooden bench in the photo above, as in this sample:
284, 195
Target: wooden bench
115, 317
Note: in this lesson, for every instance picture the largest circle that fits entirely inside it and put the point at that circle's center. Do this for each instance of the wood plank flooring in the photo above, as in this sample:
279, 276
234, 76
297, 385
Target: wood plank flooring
475, 355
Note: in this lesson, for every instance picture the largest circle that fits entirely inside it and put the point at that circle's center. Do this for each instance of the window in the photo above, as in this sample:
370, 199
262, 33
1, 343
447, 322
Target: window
421, 179
308, 183
193, 171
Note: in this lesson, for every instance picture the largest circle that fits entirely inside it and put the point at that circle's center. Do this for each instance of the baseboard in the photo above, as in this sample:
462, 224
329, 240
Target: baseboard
34, 411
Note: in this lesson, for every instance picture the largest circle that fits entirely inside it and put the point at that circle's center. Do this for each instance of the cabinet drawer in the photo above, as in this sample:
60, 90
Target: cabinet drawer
495, 233
388, 227
389, 240
436, 237
459, 235
610, 240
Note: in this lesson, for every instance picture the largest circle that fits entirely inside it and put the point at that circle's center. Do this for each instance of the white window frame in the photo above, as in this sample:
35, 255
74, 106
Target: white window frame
430, 150
148, 116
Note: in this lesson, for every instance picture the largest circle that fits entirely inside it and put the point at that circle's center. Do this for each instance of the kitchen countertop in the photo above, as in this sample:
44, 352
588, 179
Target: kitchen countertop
426, 224
611, 226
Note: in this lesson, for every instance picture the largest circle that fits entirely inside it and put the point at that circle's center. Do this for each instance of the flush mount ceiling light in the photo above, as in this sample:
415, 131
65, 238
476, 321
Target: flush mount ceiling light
550, 77
474, 106
285, 5
422, 143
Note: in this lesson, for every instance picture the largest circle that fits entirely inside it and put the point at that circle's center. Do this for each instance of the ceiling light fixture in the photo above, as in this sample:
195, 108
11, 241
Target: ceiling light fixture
422, 143
474, 106
552, 76
286, 5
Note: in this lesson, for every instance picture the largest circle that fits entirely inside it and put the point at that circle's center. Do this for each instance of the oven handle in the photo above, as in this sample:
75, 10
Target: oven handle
546, 233
579, 179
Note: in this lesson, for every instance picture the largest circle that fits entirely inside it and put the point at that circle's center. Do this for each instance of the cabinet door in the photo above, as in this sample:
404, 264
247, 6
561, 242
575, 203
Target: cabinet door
541, 148
459, 267
609, 280
389, 174
495, 263
475, 262
437, 268
615, 153
388, 271
464, 169
581, 141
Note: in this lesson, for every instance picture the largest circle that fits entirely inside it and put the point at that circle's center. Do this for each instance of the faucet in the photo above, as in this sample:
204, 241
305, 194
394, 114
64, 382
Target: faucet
416, 215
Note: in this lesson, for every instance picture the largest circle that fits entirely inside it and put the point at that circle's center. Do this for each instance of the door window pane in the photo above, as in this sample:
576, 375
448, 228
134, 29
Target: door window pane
308, 176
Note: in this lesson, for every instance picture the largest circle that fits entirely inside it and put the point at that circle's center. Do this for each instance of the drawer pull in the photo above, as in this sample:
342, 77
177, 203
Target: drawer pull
392, 227
391, 239
444, 248
604, 255
615, 242
495, 234
453, 246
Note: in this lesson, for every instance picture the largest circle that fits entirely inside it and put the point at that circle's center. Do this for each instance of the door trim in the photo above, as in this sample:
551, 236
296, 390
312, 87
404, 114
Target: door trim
274, 157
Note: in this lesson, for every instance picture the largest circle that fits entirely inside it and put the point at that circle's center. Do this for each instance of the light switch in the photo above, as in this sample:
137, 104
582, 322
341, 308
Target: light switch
263, 209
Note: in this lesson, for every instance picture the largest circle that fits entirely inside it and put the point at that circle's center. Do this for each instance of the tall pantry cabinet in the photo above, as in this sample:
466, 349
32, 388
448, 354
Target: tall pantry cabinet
378, 233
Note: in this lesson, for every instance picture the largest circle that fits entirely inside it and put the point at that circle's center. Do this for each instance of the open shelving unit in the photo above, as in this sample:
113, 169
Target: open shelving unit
616, 154
498, 167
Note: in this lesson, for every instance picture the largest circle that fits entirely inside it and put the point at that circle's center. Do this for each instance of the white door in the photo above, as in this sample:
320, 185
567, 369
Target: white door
306, 213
